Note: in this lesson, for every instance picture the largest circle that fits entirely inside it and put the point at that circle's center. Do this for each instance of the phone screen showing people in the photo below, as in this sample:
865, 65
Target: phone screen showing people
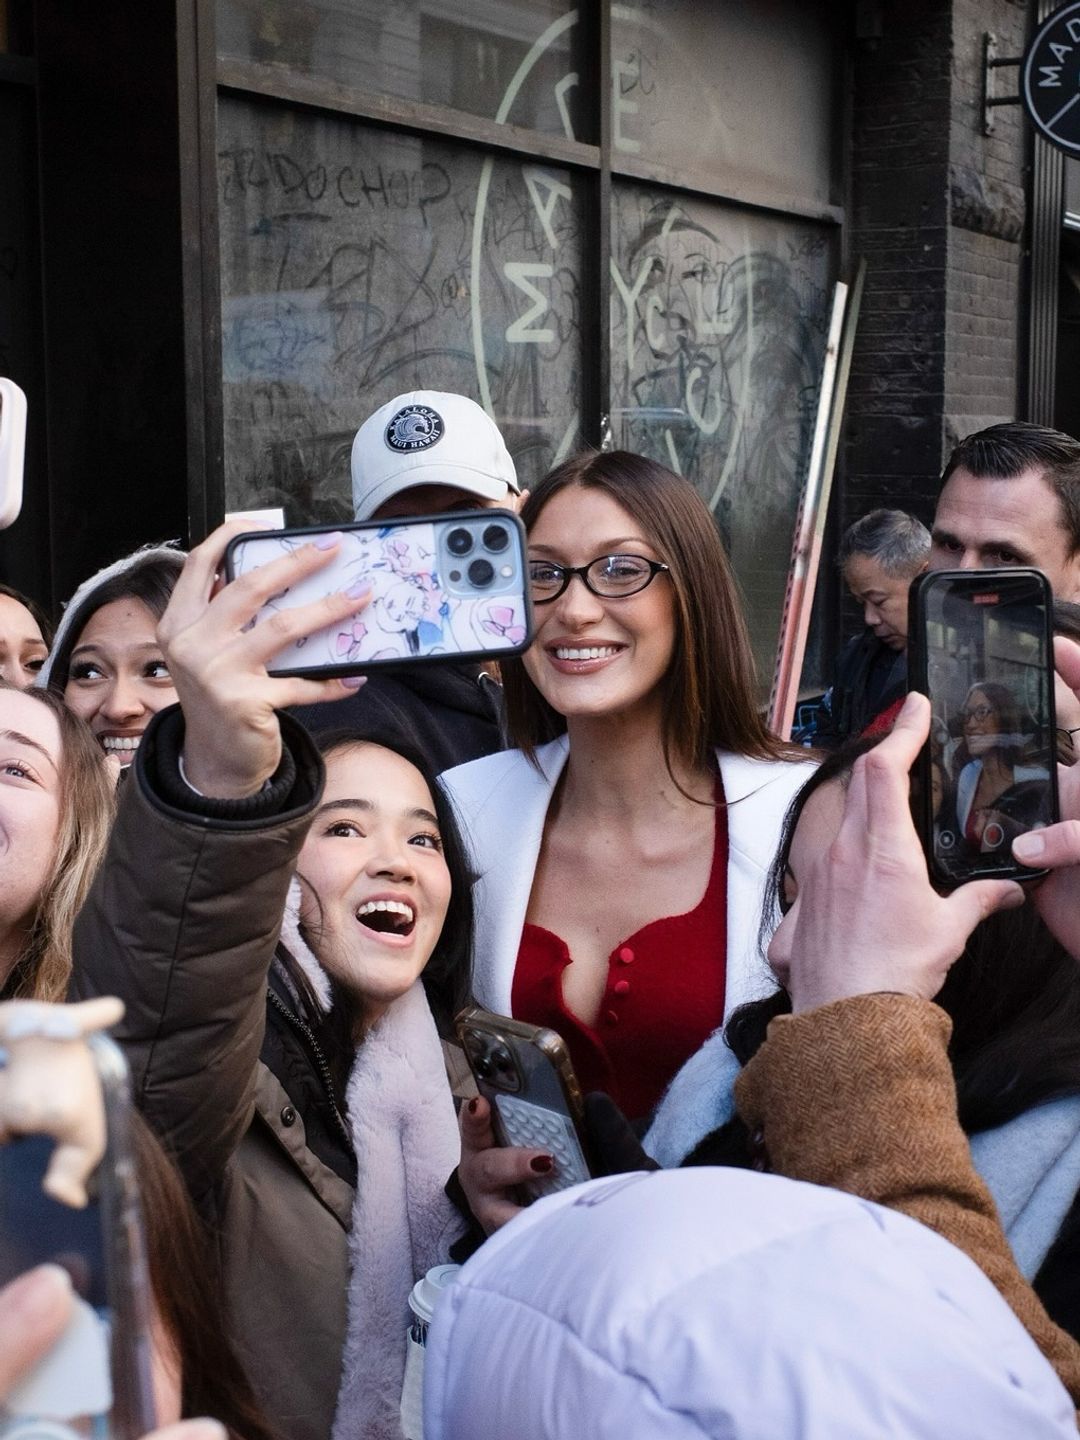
985, 638
69, 1393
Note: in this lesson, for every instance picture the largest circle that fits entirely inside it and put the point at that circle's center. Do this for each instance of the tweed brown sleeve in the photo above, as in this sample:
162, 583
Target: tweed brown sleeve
859, 1095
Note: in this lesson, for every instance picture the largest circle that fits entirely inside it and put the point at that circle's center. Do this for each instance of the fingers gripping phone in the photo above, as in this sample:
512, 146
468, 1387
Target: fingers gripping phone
96, 1383
448, 587
980, 647
525, 1074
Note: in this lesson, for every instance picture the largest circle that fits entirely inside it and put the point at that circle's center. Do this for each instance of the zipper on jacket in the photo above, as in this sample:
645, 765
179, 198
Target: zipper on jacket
321, 1066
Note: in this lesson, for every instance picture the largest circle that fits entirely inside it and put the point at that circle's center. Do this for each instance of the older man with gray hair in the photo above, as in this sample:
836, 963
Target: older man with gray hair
879, 557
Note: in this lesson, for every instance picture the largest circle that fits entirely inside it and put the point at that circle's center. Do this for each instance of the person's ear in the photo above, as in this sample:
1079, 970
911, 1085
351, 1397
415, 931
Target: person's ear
515, 502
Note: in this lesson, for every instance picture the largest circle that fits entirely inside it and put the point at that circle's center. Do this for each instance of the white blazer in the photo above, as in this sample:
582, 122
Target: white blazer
502, 803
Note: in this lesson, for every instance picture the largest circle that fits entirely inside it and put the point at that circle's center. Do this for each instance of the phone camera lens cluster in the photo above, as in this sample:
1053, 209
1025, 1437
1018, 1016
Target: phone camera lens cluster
494, 539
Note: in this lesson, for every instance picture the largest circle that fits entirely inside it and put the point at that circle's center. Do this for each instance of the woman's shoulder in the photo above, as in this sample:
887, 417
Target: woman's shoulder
471, 785
745, 775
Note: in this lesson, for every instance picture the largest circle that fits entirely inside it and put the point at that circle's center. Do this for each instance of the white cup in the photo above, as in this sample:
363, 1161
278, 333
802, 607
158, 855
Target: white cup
422, 1300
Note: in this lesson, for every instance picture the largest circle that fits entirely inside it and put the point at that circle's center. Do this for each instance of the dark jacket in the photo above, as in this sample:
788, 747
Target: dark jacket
225, 1072
870, 676
450, 713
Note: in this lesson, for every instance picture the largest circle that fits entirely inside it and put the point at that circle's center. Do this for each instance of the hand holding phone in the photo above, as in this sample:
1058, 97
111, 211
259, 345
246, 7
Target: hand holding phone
58, 1121
867, 918
524, 1073
980, 650
217, 652
1056, 849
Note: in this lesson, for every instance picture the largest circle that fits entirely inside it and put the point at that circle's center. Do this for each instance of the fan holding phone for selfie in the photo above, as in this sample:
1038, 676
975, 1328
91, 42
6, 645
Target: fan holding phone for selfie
12, 450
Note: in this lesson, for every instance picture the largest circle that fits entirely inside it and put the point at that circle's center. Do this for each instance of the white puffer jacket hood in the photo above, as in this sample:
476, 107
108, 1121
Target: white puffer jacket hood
724, 1303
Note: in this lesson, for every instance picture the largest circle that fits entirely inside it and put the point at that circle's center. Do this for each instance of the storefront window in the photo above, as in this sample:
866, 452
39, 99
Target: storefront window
515, 61
724, 96
717, 337
358, 263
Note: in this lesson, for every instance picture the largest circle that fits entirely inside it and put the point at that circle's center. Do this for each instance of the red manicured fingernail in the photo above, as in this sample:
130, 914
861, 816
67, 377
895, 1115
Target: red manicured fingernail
473, 1105
542, 1164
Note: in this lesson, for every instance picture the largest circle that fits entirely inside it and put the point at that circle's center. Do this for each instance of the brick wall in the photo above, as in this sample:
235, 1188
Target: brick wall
937, 210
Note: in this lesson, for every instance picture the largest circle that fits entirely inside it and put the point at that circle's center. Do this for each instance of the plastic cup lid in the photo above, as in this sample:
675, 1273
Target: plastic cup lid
427, 1291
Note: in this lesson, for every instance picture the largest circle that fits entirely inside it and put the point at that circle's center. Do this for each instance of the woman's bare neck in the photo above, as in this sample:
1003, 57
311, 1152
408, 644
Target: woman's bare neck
617, 767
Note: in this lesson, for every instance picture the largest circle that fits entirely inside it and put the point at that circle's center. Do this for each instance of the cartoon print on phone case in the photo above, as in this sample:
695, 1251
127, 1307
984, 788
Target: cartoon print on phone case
411, 612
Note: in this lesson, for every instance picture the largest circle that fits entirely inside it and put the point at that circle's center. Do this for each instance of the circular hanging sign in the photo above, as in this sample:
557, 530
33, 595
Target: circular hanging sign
1050, 79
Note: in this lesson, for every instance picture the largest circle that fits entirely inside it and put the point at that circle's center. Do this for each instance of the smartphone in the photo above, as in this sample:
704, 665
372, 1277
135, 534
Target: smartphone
524, 1072
12, 450
446, 587
980, 646
96, 1383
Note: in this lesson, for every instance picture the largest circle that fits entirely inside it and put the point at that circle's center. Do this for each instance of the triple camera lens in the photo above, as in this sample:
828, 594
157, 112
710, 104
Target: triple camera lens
494, 538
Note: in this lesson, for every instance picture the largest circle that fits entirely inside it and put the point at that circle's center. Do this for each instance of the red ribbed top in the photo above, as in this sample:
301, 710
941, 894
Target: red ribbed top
664, 993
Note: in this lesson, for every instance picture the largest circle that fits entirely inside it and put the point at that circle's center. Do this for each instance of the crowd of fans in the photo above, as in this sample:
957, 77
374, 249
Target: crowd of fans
294, 885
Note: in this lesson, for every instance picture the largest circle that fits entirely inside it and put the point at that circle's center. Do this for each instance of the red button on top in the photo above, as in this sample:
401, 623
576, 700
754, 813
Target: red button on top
621, 987
611, 1017
626, 955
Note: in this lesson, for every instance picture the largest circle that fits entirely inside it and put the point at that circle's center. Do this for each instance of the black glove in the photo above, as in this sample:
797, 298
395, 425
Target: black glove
613, 1145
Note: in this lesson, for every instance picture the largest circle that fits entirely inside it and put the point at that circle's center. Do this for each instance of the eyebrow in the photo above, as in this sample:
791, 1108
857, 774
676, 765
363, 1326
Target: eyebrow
96, 645
939, 536
607, 547
18, 738
369, 807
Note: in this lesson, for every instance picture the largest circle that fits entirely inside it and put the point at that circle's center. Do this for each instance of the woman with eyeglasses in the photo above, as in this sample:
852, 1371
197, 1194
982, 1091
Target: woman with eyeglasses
989, 763
622, 849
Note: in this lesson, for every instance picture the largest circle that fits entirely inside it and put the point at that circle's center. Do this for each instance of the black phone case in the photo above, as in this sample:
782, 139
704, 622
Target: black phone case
919, 680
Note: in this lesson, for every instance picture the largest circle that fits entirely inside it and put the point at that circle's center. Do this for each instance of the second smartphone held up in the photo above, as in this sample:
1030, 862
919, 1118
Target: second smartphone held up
448, 587
980, 647
525, 1074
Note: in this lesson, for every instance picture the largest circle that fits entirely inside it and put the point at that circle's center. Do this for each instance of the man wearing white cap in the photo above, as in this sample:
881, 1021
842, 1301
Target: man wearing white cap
423, 453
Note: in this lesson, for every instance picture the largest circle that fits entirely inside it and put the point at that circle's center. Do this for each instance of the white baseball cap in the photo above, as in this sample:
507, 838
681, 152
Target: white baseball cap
428, 437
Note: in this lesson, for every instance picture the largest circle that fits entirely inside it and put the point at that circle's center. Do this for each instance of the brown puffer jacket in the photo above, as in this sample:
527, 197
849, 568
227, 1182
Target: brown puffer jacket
859, 1095
182, 924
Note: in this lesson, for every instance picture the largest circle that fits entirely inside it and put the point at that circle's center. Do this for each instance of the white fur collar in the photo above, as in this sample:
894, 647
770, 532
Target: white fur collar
404, 1130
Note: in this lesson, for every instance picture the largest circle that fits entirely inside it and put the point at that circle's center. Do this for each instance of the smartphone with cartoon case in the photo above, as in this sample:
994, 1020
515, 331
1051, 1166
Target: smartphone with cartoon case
444, 587
525, 1074
96, 1383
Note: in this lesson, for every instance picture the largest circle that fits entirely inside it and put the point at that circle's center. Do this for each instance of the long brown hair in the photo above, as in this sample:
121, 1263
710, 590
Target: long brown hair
187, 1291
87, 798
709, 691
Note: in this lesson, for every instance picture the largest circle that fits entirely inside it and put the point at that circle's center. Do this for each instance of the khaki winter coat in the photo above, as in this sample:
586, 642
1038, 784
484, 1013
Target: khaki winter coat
156, 932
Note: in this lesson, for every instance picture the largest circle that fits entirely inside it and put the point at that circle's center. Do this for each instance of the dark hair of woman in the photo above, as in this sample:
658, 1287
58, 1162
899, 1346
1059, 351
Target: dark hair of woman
1013, 996
40, 618
150, 580
187, 1292
447, 977
1012, 723
710, 690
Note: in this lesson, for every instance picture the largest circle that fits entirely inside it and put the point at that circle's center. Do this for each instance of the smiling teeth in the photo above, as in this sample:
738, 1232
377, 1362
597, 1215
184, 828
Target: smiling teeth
393, 907
121, 742
588, 652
